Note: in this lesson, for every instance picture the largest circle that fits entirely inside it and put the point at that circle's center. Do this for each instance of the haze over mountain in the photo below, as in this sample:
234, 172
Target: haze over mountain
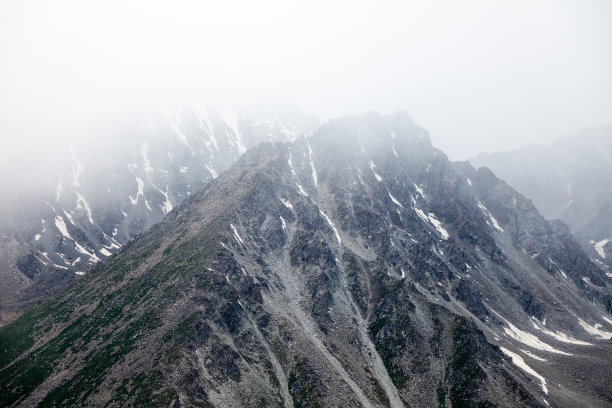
356, 267
69, 204
571, 180
479, 75
195, 211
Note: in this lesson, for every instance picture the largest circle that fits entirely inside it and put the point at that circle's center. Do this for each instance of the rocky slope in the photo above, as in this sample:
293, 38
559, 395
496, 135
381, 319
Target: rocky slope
68, 205
571, 180
358, 267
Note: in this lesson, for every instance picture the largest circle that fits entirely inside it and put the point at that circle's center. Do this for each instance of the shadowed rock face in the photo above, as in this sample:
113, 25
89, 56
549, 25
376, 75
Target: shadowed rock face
570, 179
357, 267
67, 206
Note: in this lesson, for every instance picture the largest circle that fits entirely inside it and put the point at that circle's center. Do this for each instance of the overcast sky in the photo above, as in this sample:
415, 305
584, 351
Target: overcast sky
479, 75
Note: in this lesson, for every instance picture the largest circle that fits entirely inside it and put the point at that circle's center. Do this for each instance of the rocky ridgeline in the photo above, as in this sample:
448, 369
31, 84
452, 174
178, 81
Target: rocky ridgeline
357, 267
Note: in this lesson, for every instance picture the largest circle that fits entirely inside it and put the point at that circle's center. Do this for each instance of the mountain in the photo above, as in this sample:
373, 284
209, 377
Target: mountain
571, 180
356, 267
68, 205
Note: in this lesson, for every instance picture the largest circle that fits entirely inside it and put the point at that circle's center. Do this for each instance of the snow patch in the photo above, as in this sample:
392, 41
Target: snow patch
394, 151
331, 224
283, 223
236, 235
519, 362
431, 218
144, 152
291, 165
599, 247
419, 190
61, 226
183, 169
46, 255
469, 181
287, 203
395, 201
559, 336
301, 190
372, 167
69, 217
174, 125
37, 237
77, 171
587, 281
314, 172
206, 125
529, 339
166, 206
139, 192
608, 320
105, 252
595, 330
532, 355
493, 220
84, 251
83, 204
212, 171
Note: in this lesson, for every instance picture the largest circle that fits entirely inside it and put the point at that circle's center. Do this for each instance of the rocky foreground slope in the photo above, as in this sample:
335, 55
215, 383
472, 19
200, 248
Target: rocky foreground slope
68, 205
358, 267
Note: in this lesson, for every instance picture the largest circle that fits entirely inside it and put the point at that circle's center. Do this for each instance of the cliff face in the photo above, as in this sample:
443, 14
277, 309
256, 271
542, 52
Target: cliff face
357, 267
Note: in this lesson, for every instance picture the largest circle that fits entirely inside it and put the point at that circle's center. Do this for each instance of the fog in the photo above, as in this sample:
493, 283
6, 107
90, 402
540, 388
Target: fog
479, 75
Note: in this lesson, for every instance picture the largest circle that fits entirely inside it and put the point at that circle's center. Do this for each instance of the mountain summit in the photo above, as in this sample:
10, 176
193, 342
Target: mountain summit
356, 267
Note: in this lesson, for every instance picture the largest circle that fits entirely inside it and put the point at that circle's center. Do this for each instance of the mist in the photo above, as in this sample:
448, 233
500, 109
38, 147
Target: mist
316, 203
480, 76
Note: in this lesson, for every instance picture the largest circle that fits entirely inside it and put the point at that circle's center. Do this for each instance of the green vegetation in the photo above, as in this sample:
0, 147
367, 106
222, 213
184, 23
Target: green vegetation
16, 338
392, 347
463, 372
377, 325
143, 390
441, 396
175, 338
379, 391
302, 387
124, 311
97, 364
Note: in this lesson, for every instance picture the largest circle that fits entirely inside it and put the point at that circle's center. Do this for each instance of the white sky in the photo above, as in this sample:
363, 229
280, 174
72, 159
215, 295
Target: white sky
479, 75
